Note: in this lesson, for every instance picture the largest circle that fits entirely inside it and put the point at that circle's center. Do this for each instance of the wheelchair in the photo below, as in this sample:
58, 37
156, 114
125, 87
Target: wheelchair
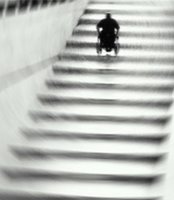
108, 42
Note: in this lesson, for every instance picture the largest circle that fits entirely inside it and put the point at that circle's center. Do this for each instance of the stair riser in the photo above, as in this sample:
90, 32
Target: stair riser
130, 23
59, 85
8, 196
122, 46
119, 2
123, 34
65, 70
75, 101
57, 136
98, 118
37, 176
26, 155
119, 59
124, 12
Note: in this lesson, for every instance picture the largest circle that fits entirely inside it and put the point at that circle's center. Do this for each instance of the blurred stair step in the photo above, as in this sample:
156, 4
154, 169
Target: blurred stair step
142, 67
141, 53
80, 99
149, 86
59, 69
69, 55
51, 134
46, 154
36, 174
71, 190
44, 115
84, 165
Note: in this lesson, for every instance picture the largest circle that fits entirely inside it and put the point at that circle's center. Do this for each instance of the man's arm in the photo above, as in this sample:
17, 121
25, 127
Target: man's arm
98, 29
117, 27
99, 26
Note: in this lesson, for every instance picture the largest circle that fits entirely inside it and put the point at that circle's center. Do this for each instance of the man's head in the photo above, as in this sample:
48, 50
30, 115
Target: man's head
108, 15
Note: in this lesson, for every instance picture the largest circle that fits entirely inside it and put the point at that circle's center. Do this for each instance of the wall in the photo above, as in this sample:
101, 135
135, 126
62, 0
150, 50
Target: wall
29, 43
37, 35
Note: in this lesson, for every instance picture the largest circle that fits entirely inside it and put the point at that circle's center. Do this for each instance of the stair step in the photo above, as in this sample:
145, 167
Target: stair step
142, 67
71, 190
45, 153
149, 86
118, 79
43, 115
71, 165
117, 59
50, 134
82, 174
131, 6
100, 146
87, 30
61, 69
123, 55
127, 2
128, 50
91, 39
145, 32
143, 17
122, 22
52, 99
51, 104
131, 35
98, 127
124, 11
124, 46
126, 19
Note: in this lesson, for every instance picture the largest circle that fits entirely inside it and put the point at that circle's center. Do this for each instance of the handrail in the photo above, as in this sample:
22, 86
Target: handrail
13, 6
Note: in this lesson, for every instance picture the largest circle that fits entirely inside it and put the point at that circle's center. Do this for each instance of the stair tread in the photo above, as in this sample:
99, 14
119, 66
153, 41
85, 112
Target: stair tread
125, 46
95, 173
102, 110
136, 30
80, 189
126, 41
119, 167
126, 23
104, 127
123, 52
150, 86
125, 18
104, 66
51, 115
105, 147
107, 79
105, 6
115, 71
110, 133
100, 94
99, 98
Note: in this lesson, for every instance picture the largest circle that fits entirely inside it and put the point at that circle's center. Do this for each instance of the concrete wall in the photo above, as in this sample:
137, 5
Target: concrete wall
29, 43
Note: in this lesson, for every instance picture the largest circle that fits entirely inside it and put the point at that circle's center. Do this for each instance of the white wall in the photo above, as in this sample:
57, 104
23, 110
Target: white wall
29, 43
28, 38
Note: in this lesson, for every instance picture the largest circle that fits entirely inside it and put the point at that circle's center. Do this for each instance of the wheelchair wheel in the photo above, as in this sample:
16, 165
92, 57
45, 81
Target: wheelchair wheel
98, 48
116, 48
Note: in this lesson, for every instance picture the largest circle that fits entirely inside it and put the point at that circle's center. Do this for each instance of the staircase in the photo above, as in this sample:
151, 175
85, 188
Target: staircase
98, 127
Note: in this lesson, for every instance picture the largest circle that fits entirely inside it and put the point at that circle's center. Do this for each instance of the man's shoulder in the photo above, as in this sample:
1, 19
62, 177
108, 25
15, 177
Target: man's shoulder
114, 21
101, 22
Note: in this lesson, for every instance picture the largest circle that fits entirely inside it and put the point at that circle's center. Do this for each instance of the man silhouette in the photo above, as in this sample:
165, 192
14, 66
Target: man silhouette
107, 26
